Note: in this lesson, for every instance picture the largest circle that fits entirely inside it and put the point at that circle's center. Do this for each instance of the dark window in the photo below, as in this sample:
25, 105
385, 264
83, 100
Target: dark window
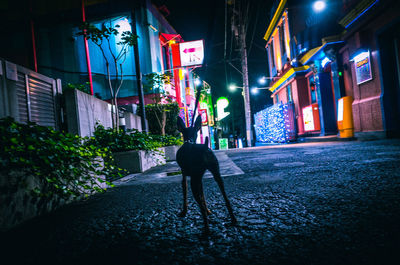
272, 53
282, 38
313, 89
277, 99
289, 93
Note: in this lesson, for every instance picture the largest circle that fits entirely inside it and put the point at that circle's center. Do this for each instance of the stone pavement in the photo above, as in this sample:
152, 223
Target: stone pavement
310, 203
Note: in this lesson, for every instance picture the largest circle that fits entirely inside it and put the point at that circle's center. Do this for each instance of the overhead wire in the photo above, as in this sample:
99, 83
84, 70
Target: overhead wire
255, 27
226, 17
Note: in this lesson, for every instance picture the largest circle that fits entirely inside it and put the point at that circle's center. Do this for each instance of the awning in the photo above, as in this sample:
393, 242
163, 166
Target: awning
165, 38
287, 76
311, 54
359, 10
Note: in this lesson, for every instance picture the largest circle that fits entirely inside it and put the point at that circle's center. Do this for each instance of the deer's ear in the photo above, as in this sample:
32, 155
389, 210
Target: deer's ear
180, 124
197, 123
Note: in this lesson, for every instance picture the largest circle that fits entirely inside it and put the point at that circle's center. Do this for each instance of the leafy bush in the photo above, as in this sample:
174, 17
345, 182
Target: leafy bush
168, 140
119, 140
85, 87
65, 164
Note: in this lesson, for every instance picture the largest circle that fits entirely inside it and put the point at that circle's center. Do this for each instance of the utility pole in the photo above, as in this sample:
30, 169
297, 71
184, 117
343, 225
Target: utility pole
239, 31
139, 76
245, 77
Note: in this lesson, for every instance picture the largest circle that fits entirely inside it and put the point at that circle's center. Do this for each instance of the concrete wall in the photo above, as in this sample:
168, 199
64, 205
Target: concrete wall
133, 121
18, 202
84, 110
136, 161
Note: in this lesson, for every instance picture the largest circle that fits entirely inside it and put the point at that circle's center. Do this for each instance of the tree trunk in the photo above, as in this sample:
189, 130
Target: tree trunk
163, 122
116, 113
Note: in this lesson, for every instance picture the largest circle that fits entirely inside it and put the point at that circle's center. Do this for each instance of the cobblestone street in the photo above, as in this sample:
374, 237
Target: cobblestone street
312, 203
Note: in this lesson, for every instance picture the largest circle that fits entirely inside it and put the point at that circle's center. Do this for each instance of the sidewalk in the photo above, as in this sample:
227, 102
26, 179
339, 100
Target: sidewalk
170, 172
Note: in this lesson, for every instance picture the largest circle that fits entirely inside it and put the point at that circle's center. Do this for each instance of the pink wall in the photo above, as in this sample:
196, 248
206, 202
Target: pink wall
367, 109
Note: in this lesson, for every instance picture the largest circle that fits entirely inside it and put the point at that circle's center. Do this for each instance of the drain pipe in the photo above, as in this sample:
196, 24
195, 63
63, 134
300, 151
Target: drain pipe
89, 68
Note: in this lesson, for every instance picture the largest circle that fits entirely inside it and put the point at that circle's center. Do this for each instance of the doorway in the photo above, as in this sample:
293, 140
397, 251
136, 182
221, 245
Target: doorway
389, 48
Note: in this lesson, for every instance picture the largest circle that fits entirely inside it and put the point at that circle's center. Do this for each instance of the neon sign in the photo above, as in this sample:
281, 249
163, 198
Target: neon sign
222, 103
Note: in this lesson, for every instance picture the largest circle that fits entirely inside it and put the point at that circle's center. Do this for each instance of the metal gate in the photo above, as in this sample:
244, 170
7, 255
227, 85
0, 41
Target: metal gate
29, 96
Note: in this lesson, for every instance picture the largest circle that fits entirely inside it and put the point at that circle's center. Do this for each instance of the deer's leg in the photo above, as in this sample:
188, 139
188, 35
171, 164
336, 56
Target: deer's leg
197, 189
184, 190
203, 199
217, 177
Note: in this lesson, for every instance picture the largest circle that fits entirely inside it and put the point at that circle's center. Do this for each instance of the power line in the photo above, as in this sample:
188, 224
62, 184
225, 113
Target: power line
255, 27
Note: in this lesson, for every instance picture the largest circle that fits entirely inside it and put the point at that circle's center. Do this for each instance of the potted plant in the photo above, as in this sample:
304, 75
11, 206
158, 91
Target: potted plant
132, 150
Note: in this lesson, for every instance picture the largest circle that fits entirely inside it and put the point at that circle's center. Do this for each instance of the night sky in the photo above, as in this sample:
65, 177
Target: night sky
205, 19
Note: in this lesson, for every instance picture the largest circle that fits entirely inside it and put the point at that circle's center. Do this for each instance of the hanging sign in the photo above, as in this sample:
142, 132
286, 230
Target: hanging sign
191, 53
362, 64
204, 118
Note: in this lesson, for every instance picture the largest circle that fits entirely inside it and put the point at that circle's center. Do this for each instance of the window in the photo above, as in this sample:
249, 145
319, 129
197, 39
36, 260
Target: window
313, 89
282, 38
276, 99
289, 93
272, 53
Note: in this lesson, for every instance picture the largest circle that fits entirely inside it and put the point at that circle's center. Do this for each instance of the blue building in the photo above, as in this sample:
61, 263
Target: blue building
43, 36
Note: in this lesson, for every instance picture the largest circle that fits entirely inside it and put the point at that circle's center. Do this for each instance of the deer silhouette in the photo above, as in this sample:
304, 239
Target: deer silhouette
194, 159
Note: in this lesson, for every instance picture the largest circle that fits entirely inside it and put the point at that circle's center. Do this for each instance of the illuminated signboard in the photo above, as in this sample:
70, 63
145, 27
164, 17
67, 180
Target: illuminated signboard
223, 143
362, 64
191, 53
340, 110
222, 103
203, 114
308, 119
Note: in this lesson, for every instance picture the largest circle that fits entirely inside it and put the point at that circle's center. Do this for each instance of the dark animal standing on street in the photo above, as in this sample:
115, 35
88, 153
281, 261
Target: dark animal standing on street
194, 159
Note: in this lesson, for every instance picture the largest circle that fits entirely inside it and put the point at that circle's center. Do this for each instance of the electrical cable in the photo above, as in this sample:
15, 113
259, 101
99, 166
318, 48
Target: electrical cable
255, 27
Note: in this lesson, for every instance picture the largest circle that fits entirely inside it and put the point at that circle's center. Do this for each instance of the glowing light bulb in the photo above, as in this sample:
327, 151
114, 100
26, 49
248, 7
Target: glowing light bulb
318, 6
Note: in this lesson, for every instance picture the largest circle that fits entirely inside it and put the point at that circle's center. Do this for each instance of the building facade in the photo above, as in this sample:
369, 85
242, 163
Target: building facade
317, 57
371, 65
46, 39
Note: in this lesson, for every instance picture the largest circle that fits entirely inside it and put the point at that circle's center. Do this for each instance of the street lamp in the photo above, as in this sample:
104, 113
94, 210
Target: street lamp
254, 90
197, 82
262, 80
319, 5
233, 87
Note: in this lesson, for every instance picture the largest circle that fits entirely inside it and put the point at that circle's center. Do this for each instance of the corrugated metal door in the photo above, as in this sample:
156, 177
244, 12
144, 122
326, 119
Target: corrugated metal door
42, 101
36, 98
22, 98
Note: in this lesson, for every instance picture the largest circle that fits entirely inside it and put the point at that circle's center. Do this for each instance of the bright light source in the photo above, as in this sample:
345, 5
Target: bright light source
360, 56
254, 91
325, 61
318, 6
197, 82
184, 71
262, 80
232, 87
124, 25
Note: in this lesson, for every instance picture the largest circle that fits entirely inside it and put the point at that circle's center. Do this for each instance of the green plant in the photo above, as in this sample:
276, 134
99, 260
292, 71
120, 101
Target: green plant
168, 140
82, 87
119, 140
64, 164
155, 111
